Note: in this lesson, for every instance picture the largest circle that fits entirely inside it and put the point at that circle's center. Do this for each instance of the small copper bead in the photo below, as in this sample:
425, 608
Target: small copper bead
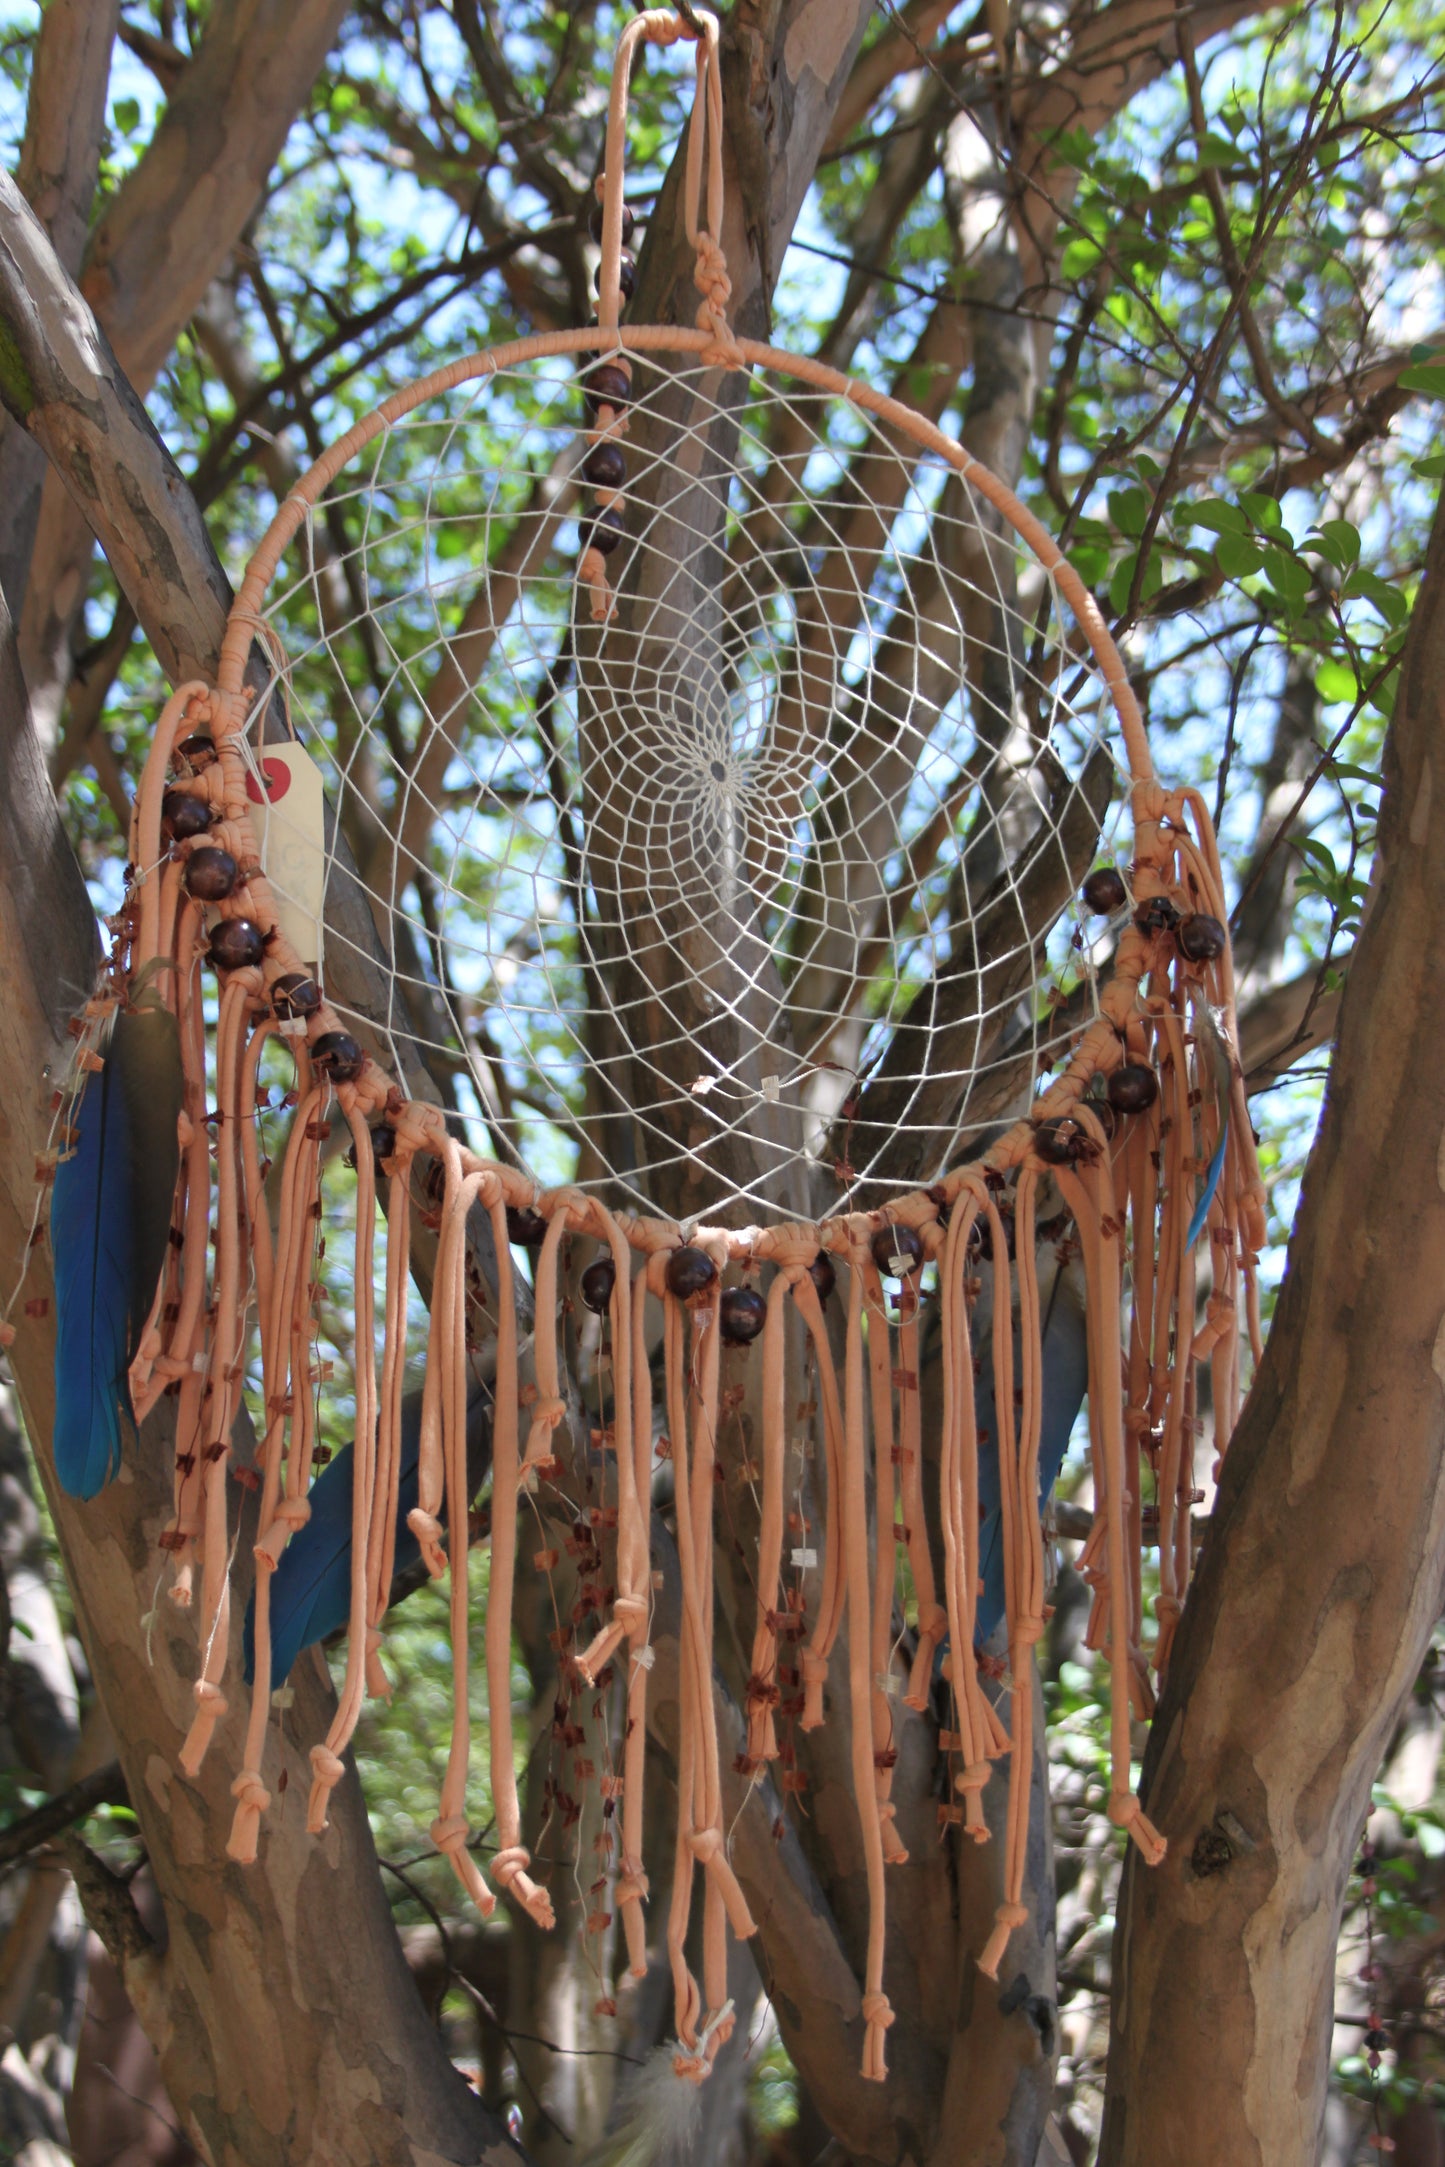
603, 533
605, 466
742, 1313
897, 1251
823, 1274
526, 1229
594, 222
338, 1056
690, 1273
605, 384
1201, 939
211, 874
294, 995
1133, 1088
236, 945
598, 1281
1104, 891
184, 816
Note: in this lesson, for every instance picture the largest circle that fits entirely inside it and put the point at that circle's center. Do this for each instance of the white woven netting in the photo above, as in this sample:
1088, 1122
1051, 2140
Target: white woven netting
754, 899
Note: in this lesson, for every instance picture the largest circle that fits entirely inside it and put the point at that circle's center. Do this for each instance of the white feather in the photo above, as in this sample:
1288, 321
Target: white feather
660, 2117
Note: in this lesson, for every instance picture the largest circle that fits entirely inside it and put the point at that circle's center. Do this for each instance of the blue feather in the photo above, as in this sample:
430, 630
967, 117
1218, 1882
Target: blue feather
311, 1587
1066, 1382
1211, 1183
92, 1236
110, 1215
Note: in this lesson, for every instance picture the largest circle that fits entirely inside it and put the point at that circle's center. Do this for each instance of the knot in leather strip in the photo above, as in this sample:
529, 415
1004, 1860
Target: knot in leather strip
449, 1833
250, 1791
327, 1767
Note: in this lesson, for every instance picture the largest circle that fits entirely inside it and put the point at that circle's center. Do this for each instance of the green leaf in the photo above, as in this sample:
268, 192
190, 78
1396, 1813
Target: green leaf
1336, 681
1289, 578
1263, 510
1129, 508
1122, 584
1220, 518
1336, 539
126, 112
1237, 556
1428, 377
1431, 469
1388, 600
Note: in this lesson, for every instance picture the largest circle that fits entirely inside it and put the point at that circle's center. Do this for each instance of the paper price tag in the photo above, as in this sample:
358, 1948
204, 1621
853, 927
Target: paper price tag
288, 807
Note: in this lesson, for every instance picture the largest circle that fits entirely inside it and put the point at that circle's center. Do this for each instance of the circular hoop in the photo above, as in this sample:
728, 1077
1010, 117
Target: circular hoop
245, 618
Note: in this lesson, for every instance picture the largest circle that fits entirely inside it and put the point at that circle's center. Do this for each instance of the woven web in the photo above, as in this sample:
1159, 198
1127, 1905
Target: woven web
754, 899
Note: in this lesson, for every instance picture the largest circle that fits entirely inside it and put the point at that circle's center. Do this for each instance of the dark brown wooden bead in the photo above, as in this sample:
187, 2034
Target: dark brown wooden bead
598, 1281
1133, 1088
1063, 1143
211, 874
742, 1313
383, 1144
236, 945
690, 1273
1201, 939
526, 1229
823, 1274
626, 275
338, 1056
184, 816
294, 995
897, 1251
594, 222
605, 384
1104, 1114
1158, 915
1104, 891
603, 533
605, 466
198, 750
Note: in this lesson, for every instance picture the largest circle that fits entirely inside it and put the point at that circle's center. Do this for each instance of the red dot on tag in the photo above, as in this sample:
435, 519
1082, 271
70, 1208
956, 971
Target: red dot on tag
278, 782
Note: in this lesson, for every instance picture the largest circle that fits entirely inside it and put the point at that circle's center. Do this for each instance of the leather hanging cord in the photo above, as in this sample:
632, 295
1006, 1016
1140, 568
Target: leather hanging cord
326, 1762
1023, 1563
381, 1542
885, 1571
549, 1407
223, 1377
687, 2000
449, 1831
762, 1694
1089, 1196
631, 1605
509, 1867
424, 1519
632, 1881
877, 2010
830, 1605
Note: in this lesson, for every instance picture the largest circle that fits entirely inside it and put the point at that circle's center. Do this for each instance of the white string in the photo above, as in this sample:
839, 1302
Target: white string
800, 709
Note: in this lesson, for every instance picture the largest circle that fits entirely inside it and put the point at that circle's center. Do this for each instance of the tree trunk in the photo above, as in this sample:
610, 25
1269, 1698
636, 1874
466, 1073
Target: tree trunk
1321, 1575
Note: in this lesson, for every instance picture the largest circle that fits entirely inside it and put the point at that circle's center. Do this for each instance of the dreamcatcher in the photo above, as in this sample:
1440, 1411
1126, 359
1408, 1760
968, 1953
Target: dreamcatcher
730, 745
